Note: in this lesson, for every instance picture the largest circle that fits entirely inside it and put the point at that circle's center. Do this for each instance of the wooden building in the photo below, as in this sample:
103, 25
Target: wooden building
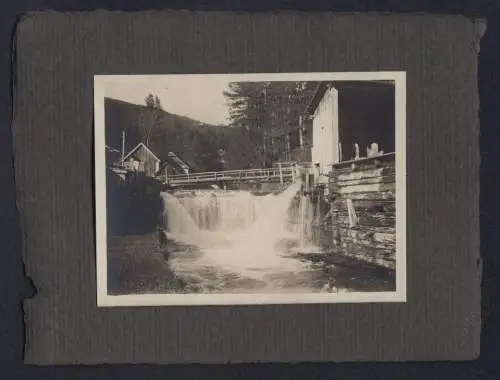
172, 165
142, 160
176, 164
348, 130
347, 120
324, 113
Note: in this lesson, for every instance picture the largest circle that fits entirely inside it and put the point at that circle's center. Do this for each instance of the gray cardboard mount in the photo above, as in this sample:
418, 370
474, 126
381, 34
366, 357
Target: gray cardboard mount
57, 55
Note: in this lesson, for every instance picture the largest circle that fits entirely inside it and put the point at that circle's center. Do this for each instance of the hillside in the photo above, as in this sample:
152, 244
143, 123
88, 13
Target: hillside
195, 142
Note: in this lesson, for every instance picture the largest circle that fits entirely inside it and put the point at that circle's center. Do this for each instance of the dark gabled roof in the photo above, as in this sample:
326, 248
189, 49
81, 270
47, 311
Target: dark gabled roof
175, 160
180, 162
342, 85
138, 146
318, 95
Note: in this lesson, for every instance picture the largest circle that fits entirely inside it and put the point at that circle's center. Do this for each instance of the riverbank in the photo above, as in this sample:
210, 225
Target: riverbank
348, 273
137, 265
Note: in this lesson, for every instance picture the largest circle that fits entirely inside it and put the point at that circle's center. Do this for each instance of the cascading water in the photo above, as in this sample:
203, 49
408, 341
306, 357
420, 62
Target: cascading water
179, 222
240, 233
304, 223
206, 214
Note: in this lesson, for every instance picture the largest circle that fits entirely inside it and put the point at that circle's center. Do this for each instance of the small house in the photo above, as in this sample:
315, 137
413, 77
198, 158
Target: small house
142, 160
172, 165
177, 164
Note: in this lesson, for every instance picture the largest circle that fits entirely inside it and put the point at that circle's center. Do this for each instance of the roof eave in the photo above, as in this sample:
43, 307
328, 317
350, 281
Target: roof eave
318, 94
137, 147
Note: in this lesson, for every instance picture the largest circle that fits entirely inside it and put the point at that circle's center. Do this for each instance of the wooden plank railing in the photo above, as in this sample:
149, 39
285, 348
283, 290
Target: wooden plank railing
279, 173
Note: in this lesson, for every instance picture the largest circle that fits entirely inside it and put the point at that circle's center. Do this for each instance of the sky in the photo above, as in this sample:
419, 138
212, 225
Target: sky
198, 97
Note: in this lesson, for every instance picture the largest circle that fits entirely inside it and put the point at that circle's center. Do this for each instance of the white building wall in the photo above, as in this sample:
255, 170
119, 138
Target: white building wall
325, 148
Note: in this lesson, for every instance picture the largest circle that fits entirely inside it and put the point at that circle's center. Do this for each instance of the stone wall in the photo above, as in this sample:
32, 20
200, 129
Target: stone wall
368, 230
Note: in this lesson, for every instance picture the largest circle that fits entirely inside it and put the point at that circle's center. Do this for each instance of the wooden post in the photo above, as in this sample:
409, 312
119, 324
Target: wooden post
123, 146
301, 137
288, 147
166, 174
335, 226
353, 218
333, 199
281, 172
317, 171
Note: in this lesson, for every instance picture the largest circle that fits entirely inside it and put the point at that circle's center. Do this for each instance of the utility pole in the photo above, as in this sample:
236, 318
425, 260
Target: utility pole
288, 147
301, 136
262, 95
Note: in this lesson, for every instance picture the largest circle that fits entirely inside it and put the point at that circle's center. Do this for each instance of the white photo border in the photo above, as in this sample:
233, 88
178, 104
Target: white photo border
106, 300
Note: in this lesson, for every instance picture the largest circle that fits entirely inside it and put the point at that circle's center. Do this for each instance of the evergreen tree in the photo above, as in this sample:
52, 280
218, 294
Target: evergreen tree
247, 109
270, 111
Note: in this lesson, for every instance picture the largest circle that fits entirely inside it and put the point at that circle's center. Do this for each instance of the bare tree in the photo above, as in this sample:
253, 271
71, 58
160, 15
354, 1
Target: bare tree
150, 117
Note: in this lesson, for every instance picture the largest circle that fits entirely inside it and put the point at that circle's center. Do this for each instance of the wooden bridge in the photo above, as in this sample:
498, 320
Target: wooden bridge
280, 174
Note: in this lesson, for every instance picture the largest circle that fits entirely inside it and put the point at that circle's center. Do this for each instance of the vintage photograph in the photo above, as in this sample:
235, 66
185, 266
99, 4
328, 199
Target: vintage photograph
250, 188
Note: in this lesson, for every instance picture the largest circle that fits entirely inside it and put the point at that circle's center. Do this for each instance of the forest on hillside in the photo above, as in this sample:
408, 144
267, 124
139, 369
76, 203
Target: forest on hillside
262, 116
197, 143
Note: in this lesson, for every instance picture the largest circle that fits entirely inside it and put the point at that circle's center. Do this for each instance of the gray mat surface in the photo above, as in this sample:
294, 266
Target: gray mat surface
56, 57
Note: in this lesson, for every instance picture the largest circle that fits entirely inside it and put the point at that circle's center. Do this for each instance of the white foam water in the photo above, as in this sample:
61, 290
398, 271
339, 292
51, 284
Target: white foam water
240, 233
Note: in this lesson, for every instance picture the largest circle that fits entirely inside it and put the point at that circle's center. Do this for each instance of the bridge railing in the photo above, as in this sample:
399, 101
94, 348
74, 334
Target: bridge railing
275, 173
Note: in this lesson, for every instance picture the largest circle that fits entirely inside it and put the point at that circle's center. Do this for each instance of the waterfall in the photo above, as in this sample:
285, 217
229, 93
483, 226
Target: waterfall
221, 212
178, 222
240, 232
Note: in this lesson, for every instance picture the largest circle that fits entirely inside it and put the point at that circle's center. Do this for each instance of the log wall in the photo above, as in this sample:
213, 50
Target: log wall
371, 186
